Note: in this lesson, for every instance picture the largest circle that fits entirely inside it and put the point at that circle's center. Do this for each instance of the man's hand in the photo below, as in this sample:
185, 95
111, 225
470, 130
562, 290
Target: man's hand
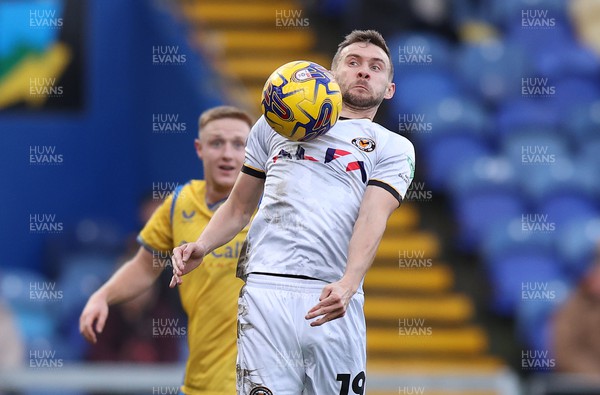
334, 300
96, 310
185, 258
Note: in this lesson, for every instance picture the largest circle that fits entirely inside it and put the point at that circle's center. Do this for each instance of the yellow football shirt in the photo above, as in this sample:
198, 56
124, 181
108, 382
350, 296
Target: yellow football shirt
208, 294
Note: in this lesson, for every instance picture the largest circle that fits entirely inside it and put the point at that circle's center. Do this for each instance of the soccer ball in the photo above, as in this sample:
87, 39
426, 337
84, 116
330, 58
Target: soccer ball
301, 100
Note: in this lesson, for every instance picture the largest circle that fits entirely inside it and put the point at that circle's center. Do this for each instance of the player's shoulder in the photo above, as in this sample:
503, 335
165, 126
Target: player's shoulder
263, 131
391, 139
381, 137
196, 187
189, 190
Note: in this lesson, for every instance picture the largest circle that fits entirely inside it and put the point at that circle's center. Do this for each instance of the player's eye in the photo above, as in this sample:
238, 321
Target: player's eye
216, 143
238, 145
376, 67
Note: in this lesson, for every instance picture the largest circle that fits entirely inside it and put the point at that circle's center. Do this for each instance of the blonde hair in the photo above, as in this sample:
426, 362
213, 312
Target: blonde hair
222, 112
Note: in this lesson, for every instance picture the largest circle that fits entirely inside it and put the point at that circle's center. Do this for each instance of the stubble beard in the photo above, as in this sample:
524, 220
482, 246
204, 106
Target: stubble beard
362, 102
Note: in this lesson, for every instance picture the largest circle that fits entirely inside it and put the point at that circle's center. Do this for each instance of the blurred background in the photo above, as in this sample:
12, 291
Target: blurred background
485, 281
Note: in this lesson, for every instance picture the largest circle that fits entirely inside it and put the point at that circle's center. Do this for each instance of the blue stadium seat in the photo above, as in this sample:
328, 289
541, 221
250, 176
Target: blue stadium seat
572, 93
508, 13
515, 236
446, 153
577, 243
489, 69
432, 51
587, 169
518, 114
574, 60
455, 115
531, 142
421, 87
481, 173
542, 159
532, 272
582, 121
478, 210
564, 205
537, 39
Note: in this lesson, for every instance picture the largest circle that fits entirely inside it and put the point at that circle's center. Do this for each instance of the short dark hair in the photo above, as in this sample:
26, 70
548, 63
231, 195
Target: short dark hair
363, 36
221, 112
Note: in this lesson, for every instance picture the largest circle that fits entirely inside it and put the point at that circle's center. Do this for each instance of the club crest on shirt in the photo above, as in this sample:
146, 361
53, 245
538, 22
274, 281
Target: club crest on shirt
364, 144
261, 391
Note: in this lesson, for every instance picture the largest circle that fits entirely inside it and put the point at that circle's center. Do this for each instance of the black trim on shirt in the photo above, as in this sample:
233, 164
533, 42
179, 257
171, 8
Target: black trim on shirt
388, 188
253, 172
286, 275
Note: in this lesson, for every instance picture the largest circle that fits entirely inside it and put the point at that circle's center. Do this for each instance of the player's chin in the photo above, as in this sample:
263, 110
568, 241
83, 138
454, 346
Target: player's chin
225, 181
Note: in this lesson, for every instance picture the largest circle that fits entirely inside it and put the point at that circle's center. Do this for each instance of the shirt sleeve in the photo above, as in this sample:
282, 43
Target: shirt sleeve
257, 150
395, 168
157, 234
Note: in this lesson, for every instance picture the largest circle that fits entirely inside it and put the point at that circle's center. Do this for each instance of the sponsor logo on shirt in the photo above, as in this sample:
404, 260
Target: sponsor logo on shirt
364, 144
188, 217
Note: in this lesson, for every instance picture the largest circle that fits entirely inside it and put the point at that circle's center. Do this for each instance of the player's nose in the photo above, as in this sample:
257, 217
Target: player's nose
228, 151
364, 73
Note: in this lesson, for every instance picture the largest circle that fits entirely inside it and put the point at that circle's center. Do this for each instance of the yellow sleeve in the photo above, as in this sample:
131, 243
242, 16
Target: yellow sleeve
157, 234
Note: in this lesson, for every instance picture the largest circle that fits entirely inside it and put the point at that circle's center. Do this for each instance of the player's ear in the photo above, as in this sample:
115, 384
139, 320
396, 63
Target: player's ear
198, 148
390, 90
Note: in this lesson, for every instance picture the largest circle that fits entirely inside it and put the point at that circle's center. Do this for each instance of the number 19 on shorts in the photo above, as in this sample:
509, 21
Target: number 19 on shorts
358, 383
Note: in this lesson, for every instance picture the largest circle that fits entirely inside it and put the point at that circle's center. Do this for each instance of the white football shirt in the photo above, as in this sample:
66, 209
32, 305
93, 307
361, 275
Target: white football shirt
313, 191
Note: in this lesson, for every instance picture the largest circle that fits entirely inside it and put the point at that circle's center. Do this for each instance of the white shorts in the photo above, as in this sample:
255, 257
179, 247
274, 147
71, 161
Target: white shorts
279, 353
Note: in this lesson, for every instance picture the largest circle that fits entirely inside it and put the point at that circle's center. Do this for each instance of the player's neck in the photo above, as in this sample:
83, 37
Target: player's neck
355, 113
215, 195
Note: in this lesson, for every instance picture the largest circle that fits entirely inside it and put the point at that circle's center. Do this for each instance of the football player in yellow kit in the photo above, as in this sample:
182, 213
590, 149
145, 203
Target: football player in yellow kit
210, 301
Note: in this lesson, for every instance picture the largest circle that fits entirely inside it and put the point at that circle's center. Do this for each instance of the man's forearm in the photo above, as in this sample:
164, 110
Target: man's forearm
225, 224
133, 278
367, 234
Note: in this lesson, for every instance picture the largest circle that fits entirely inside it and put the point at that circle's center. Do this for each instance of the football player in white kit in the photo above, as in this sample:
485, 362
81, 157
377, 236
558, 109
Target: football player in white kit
324, 208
